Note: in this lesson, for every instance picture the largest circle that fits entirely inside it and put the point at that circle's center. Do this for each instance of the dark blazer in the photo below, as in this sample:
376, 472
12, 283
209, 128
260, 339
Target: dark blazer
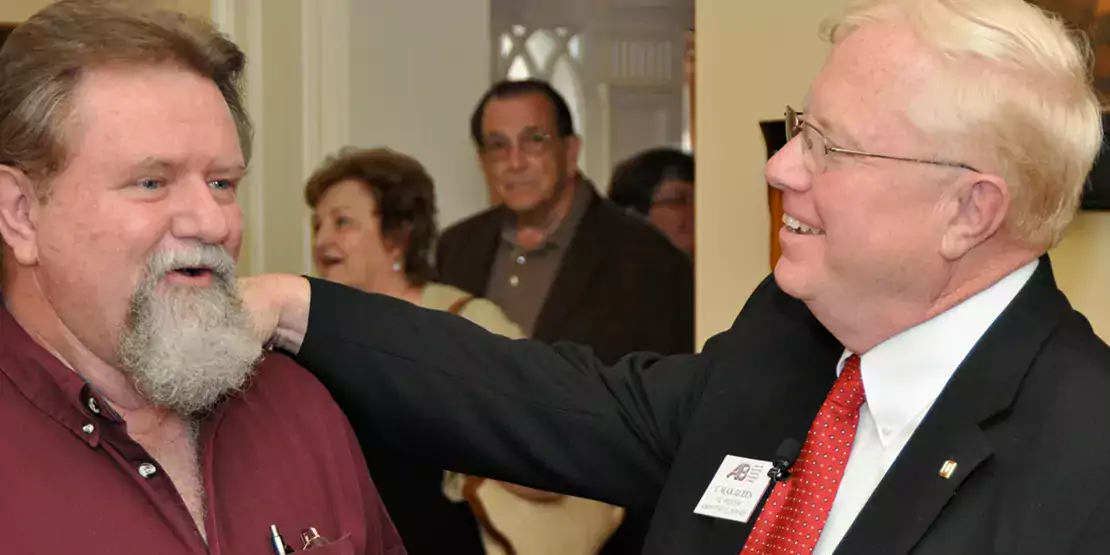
1023, 416
622, 285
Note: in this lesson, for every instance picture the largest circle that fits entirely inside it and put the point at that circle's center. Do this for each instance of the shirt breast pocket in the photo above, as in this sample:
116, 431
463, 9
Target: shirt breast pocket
342, 546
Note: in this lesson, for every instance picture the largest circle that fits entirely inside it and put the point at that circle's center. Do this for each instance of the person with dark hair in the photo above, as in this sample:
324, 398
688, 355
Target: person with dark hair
563, 262
562, 120
374, 222
658, 184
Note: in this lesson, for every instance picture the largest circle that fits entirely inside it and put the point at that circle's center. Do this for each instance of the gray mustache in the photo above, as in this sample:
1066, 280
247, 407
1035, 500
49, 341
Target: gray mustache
211, 257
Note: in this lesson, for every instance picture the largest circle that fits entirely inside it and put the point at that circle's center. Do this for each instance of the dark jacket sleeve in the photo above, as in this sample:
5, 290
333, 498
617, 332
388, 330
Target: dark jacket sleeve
1094, 534
382, 536
437, 387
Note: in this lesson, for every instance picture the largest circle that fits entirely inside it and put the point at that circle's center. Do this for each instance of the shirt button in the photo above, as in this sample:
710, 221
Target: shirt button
521, 260
94, 406
146, 470
88, 429
514, 281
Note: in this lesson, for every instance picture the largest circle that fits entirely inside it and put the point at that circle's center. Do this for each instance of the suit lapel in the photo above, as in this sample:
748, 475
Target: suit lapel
913, 493
582, 259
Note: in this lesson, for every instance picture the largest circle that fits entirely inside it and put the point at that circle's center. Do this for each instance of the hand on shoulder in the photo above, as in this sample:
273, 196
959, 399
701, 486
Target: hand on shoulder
278, 305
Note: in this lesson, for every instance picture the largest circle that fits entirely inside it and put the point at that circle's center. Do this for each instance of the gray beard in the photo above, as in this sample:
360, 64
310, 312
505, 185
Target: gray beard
185, 348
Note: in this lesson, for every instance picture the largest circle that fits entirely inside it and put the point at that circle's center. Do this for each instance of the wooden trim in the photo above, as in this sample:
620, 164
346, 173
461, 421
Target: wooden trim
774, 203
241, 20
774, 138
691, 67
325, 91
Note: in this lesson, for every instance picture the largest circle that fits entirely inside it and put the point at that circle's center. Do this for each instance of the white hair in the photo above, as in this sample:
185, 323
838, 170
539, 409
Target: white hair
1014, 97
184, 348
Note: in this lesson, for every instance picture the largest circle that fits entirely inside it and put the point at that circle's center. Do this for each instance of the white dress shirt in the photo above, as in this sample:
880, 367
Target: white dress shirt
902, 377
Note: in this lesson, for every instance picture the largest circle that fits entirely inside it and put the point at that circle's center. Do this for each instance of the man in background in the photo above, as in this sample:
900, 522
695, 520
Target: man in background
561, 261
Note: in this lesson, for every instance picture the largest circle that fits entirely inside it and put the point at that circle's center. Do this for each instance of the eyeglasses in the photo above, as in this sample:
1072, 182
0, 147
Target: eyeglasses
816, 159
673, 201
529, 142
673, 197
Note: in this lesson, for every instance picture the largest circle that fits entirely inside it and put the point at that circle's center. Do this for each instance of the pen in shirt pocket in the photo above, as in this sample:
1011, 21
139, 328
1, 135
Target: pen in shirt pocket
277, 543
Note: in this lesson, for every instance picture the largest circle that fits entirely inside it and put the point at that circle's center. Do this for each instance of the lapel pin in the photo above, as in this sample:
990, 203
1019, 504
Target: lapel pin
947, 469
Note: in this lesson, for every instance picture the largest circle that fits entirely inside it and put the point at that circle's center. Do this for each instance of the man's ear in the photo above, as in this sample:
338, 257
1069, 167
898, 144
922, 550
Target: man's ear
18, 214
978, 207
573, 144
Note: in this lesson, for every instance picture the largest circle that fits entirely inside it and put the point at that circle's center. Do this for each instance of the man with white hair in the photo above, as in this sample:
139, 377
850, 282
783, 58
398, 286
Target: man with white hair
913, 340
134, 421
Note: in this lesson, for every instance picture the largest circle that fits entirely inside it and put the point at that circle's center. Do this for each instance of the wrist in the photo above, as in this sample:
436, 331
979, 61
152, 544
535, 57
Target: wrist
291, 301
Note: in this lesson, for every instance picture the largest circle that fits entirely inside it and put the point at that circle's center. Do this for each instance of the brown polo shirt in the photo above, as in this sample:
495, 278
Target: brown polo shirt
521, 278
73, 481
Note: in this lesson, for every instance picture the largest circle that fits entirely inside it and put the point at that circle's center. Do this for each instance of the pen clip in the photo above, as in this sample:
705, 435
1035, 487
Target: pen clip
312, 538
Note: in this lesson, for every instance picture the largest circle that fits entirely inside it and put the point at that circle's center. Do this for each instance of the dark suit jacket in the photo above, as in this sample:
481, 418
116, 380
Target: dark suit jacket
1024, 417
622, 286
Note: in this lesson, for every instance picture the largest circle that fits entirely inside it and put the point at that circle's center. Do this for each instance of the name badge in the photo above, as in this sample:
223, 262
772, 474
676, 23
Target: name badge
736, 489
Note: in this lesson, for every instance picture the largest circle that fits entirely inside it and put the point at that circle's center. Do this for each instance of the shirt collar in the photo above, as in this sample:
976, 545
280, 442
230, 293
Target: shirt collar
561, 236
905, 374
48, 383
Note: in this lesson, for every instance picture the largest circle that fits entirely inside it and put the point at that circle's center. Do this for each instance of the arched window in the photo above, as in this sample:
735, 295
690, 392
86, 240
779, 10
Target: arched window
554, 55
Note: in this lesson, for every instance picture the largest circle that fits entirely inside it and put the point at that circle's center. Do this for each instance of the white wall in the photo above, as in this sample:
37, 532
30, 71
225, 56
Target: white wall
328, 73
1082, 266
16, 11
280, 230
275, 218
752, 59
418, 67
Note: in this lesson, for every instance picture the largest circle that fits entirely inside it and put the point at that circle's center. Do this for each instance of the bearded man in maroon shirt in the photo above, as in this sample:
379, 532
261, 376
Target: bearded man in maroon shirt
136, 417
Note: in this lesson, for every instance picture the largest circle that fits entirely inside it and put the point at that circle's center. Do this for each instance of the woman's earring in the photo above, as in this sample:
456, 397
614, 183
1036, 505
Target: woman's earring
396, 266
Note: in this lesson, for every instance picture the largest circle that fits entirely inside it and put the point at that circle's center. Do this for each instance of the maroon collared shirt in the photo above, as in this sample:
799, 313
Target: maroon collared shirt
73, 482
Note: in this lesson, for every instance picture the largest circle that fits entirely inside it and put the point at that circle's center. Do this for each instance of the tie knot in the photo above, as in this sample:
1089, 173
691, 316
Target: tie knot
848, 389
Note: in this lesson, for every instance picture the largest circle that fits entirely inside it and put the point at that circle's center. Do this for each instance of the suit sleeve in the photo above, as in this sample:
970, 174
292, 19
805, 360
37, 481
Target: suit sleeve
382, 536
1094, 534
439, 388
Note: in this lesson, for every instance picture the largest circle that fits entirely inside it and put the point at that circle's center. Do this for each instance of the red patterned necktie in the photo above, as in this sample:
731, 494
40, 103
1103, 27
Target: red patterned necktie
795, 514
